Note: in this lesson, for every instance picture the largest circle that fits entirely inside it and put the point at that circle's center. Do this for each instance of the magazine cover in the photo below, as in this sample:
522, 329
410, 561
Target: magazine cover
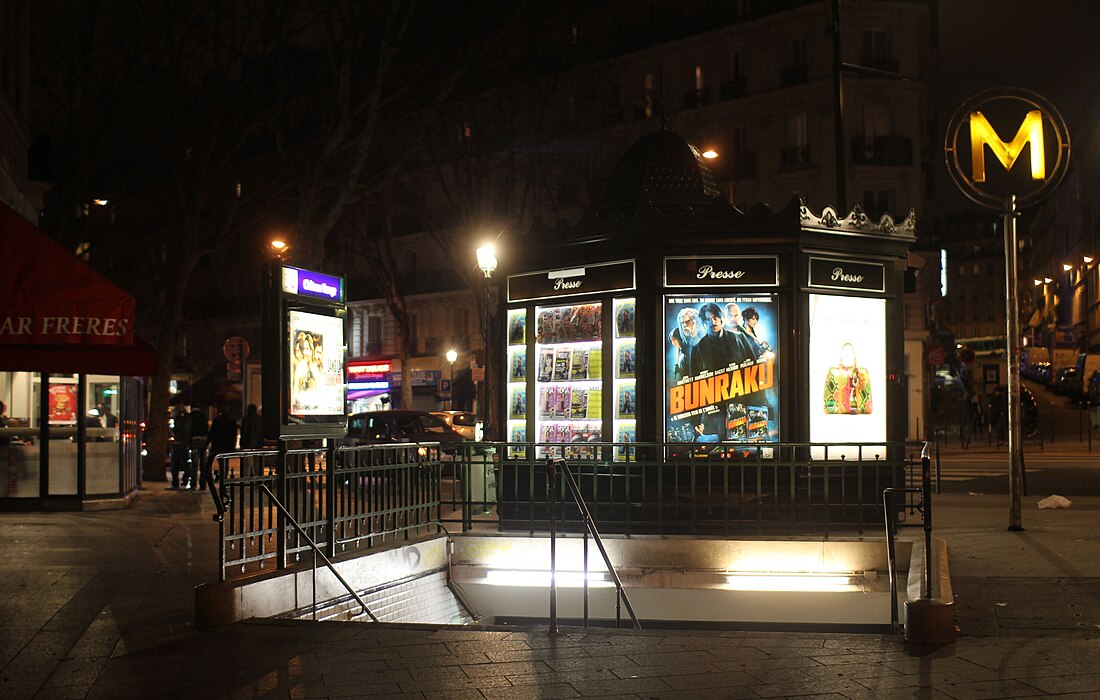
546, 364
625, 436
624, 319
579, 406
517, 328
519, 365
561, 365
626, 400
626, 360
563, 433
548, 434
564, 402
519, 402
517, 434
580, 365
547, 402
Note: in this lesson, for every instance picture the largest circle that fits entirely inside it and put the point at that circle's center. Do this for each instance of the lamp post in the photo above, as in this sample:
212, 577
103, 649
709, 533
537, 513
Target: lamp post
487, 263
451, 357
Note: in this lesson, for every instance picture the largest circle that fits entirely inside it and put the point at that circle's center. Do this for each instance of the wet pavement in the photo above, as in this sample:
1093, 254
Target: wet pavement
101, 605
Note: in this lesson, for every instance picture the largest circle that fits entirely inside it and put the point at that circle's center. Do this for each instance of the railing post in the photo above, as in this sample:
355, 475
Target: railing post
330, 495
280, 521
551, 497
926, 499
938, 471
887, 508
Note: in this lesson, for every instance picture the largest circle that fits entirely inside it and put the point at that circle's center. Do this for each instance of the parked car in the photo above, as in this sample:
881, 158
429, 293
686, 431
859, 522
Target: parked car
462, 422
1064, 382
395, 426
1093, 389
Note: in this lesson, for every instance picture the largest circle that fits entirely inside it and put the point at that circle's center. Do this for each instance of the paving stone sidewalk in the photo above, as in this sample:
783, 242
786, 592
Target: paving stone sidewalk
100, 605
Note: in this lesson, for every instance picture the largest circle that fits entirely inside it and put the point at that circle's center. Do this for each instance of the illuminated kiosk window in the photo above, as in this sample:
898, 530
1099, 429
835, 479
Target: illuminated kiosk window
517, 382
304, 340
847, 382
626, 393
721, 372
568, 383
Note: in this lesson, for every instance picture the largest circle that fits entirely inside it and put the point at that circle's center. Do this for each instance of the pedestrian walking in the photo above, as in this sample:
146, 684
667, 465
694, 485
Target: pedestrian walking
200, 424
221, 438
181, 447
252, 431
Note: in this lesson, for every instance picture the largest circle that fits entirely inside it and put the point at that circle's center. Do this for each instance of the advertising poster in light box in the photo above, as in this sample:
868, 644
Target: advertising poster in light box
847, 381
720, 358
316, 356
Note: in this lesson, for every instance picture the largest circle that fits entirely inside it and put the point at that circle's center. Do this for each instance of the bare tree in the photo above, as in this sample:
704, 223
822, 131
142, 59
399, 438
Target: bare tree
166, 146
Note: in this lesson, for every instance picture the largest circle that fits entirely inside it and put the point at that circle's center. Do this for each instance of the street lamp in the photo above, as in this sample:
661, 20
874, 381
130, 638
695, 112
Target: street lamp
279, 247
487, 262
451, 357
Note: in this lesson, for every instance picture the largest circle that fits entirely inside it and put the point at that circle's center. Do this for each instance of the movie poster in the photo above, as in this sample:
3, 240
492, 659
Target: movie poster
316, 356
721, 368
847, 381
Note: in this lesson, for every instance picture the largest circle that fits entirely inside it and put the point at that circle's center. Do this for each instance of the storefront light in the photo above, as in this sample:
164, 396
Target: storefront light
566, 579
797, 581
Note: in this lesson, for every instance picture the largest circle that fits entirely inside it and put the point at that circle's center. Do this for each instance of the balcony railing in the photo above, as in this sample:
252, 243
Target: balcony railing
883, 63
794, 157
882, 150
696, 98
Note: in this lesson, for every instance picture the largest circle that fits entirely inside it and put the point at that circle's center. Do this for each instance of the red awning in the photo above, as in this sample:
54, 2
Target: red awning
57, 314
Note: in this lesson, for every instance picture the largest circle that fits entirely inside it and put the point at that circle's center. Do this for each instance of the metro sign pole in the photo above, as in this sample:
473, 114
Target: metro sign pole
1039, 128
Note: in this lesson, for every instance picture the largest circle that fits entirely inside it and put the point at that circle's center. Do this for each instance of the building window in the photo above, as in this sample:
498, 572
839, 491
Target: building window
697, 96
650, 94
876, 203
735, 86
796, 154
878, 50
795, 72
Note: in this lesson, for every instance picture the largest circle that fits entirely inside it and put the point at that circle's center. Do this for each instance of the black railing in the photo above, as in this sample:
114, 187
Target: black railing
794, 157
359, 498
672, 488
342, 499
557, 466
890, 512
882, 150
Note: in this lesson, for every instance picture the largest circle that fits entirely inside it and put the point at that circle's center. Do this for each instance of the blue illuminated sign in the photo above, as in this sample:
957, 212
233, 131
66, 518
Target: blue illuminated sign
312, 284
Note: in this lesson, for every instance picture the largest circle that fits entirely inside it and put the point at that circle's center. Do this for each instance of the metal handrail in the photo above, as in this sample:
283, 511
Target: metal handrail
925, 508
316, 553
621, 597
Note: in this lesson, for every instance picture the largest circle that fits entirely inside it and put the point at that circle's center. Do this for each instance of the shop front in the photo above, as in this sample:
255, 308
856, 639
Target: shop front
70, 379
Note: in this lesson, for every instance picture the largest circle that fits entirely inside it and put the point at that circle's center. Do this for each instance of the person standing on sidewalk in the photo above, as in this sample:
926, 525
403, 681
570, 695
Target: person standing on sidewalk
252, 429
221, 438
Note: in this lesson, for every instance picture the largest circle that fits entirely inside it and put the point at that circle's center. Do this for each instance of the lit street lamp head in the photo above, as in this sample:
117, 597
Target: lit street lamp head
452, 356
487, 259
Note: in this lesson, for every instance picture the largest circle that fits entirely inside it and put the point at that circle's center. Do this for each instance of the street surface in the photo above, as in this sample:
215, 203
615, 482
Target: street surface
1060, 460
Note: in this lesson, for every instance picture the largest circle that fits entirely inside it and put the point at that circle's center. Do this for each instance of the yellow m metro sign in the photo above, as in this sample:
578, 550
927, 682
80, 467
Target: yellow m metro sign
971, 137
982, 134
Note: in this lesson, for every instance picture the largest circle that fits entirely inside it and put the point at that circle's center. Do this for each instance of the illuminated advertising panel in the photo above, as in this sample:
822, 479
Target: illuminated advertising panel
721, 370
847, 381
316, 355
